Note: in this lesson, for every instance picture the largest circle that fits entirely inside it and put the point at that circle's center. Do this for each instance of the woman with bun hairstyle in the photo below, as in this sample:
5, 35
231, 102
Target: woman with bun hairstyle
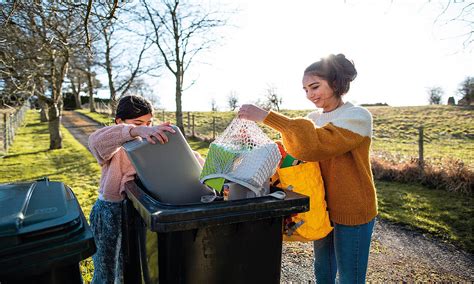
338, 136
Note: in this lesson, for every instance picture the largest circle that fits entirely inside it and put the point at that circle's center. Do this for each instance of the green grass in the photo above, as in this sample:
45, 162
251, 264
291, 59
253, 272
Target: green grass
443, 214
99, 117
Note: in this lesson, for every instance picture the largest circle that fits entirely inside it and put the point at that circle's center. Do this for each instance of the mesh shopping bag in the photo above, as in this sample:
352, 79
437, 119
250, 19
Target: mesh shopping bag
242, 154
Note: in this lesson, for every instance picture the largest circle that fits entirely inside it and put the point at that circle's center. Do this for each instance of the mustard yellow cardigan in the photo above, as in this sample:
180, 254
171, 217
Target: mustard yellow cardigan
340, 141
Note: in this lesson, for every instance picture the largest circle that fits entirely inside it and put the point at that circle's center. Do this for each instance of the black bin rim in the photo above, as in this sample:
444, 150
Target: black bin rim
160, 217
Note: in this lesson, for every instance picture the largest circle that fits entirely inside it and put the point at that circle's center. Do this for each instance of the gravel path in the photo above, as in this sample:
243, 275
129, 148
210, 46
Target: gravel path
397, 253
79, 125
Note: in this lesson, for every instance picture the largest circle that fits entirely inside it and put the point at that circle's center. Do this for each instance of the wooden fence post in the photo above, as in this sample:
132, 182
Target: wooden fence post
420, 146
12, 130
5, 133
213, 128
193, 133
189, 122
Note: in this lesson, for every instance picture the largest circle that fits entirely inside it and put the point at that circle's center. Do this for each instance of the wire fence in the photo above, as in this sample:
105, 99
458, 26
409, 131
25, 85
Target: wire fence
11, 120
427, 145
422, 143
100, 107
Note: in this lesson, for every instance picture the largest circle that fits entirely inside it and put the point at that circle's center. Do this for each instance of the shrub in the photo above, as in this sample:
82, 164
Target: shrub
448, 174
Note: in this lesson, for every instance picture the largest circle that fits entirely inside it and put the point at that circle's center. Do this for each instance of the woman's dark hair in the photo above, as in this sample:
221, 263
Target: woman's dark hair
337, 70
133, 106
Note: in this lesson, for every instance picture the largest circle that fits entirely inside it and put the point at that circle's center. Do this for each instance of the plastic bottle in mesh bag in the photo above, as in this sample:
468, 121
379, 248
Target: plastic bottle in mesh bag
242, 154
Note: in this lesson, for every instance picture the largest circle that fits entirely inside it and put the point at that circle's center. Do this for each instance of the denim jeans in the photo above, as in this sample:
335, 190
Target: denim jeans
106, 226
345, 252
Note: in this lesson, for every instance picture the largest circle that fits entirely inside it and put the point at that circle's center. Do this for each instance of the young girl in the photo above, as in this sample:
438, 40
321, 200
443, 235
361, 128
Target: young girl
133, 120
339, 137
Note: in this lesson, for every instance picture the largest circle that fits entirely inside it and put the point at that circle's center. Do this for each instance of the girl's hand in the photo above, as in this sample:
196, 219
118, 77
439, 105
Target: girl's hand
148, 132
252, 112
199, 158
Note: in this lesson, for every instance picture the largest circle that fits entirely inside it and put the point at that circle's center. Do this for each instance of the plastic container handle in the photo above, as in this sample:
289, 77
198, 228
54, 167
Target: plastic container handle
278, 195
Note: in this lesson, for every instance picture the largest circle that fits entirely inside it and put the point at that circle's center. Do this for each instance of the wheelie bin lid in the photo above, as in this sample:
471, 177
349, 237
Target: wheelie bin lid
41, 221
169, 171
161, 217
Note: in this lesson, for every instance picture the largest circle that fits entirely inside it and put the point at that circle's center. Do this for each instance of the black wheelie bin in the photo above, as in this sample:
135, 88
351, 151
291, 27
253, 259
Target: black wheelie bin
43, 233
238, 241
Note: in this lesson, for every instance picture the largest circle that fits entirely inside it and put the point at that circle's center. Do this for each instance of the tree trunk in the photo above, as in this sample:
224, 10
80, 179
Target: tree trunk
179, 107
56, 102
43, 111
113, 92
76, 91
90, 86
91, 91
77, 98
55, 137
77, 95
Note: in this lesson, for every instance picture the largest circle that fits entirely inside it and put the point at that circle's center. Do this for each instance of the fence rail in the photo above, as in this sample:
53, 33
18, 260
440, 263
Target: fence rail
11, 120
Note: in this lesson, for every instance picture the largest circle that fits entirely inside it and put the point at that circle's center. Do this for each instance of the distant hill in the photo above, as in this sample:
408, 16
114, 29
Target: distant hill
376, 104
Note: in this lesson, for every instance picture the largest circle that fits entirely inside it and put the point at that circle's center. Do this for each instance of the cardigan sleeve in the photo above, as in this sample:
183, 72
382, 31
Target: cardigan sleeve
308, 142
105, 142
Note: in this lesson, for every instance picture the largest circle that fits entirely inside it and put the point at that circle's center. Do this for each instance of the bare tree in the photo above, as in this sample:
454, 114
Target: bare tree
49, 34
463, 14
120, 73
78, 82
466, 91
82, 67
213, 104
233, 100
181, 30
142, 88
272, 99
20, 66
435, 94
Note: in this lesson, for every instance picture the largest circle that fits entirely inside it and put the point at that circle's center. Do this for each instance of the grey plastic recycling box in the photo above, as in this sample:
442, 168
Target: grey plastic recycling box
220, 242
43, 233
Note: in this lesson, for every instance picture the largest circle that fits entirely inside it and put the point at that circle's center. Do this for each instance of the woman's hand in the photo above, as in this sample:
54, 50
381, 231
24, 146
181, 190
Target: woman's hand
148, 132
252, 112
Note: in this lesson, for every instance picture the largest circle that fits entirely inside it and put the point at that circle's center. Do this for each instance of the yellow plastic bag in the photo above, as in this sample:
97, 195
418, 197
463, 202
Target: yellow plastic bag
306, 179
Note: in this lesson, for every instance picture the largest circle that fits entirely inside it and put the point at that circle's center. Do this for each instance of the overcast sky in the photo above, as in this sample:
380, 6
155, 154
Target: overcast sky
398, 48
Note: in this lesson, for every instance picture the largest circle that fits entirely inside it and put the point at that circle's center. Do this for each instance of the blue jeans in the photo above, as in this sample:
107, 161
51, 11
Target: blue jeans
106, 226
344, 251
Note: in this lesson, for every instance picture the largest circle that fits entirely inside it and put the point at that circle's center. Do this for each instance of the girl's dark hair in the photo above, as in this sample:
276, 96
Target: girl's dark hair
133, 106
337, 70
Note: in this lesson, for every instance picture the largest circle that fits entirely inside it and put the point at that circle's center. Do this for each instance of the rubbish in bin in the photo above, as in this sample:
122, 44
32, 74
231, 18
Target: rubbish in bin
242, 154
170, 171
43, 233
